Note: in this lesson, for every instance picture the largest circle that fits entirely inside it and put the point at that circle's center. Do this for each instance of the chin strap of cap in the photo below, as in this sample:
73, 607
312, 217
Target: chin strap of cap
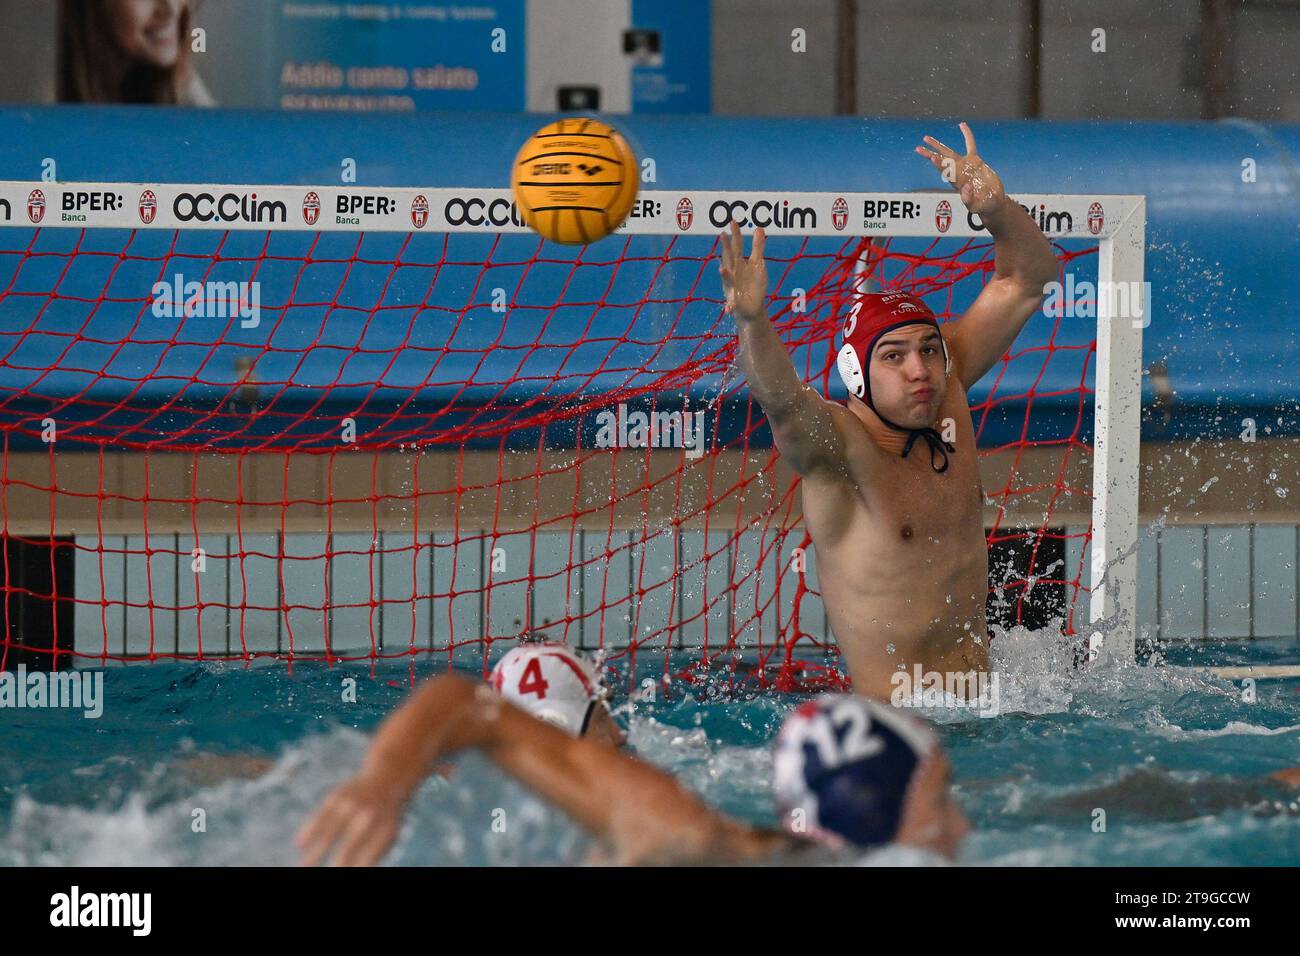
938, 447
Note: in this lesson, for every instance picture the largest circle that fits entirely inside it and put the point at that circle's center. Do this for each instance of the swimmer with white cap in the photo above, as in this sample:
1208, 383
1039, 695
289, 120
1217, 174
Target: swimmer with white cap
559, 685
850, 774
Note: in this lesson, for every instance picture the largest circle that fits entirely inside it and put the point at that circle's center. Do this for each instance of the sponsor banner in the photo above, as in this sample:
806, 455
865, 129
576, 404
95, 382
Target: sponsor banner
368, 55
655, 212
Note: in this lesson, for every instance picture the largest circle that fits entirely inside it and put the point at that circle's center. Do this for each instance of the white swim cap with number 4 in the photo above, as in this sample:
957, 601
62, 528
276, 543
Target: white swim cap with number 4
551, 682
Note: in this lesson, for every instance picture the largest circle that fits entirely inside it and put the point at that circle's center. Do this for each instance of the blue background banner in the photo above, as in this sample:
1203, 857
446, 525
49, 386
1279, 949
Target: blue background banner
371, 55
680, 83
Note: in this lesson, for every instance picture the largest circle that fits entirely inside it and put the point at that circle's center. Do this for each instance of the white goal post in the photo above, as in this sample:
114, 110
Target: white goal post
1117, 223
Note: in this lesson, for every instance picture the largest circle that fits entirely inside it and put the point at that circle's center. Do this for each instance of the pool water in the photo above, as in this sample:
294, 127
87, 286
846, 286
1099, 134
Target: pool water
1176, 759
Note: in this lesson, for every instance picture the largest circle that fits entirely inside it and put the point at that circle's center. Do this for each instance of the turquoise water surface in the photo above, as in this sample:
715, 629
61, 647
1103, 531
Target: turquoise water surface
1177, 760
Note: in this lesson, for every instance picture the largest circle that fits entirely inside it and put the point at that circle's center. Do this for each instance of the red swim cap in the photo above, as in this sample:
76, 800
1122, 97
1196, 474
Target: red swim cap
874, 314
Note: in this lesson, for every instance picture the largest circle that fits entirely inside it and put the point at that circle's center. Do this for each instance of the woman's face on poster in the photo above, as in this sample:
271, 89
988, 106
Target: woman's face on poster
147, 30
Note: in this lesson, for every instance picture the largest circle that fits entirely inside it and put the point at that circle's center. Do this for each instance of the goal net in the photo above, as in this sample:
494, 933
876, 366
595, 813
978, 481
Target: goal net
339, 423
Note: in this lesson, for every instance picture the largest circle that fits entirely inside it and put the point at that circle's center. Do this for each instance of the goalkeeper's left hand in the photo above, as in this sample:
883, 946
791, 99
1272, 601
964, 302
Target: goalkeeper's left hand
980, 188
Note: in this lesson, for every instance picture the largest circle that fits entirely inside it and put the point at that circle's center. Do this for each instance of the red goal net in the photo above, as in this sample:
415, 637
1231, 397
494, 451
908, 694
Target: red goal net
228, 445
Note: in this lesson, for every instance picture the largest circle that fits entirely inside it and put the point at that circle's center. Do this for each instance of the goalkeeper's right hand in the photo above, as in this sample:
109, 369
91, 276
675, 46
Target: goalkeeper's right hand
744, 280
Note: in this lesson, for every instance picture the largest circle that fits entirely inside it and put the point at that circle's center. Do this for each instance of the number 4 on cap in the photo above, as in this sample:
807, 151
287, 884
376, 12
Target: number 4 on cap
531, 682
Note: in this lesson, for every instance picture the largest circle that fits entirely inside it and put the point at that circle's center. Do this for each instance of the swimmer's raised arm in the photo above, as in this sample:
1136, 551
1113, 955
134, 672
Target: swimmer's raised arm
1023, 262
803, 423
639, 811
